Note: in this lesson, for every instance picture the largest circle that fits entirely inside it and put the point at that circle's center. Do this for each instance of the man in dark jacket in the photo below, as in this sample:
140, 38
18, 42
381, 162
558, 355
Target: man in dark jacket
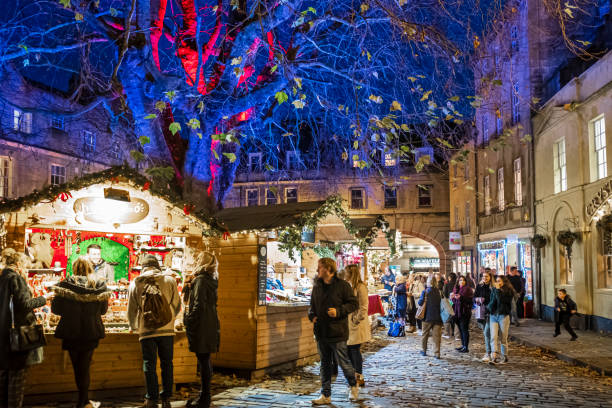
565, 307
388, 279
331, 302
517, 283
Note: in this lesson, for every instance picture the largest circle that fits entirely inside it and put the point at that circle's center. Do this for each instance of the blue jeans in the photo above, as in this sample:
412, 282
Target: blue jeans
500, 323
486, 332
326, 351
164, 346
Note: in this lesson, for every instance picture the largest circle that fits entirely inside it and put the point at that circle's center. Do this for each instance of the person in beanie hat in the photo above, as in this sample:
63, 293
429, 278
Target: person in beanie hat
153, 304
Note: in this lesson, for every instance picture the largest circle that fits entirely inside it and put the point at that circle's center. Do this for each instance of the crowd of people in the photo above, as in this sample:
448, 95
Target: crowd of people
451, 303
82, 298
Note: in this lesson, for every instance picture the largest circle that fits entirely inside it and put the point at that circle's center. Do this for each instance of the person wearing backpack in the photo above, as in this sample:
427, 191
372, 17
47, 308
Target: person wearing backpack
201, 321
80, 301
433, 319
153, 304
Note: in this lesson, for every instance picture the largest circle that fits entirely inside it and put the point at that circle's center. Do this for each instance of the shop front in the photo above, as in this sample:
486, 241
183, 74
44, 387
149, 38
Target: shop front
113, 219
462, 263
501, 254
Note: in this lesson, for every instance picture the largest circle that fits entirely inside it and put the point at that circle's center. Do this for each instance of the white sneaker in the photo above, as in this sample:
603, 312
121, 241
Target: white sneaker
322, 400
354, 393
420, 332
503, 360
444, 336
486, 358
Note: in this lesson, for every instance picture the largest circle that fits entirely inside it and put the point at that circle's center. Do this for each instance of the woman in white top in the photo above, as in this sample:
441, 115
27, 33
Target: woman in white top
418, 286
359, 324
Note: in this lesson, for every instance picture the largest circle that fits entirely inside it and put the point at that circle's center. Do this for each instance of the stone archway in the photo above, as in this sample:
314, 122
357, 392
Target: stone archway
432, 228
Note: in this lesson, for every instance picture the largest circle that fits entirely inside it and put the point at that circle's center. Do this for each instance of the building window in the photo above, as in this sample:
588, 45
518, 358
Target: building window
607, 259
499, 122
252, 197
599, 134
468, 219
291, 195
487, 195
518, 183
293, 160
89, 141
516, 107
254, 162
271, 197
390, 160
115, 149
22, 121
466, 171
456, 218
559, 165
5, 177
58, 174
566, 271
357, 198
455, 175
501, 202
514, 39
57, 122
425, 195
390, 197
485, 129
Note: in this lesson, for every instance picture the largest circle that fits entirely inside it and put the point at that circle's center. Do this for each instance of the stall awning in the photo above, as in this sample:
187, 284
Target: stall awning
265, 217
336, 231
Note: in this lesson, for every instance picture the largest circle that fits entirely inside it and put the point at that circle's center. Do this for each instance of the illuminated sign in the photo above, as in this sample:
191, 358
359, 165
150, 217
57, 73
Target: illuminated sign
454, 240
107, 211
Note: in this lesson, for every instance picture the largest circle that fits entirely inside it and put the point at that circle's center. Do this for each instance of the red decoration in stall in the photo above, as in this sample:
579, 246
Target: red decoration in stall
65, 196
188, 208
226, 235
146, 186
114, 180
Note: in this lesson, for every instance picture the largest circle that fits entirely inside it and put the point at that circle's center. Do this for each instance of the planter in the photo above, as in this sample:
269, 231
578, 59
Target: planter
567, 238
539, 241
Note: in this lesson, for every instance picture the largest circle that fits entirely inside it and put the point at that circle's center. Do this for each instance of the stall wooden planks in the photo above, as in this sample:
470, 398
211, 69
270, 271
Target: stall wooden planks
237, 294
255, 337
284, 334
117, 363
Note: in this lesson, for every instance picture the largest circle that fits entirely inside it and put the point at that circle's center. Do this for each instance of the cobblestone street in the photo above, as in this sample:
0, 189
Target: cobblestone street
397, 375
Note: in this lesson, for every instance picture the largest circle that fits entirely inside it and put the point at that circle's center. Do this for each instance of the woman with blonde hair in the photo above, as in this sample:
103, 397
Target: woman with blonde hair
359, 324
80, 301
201, 321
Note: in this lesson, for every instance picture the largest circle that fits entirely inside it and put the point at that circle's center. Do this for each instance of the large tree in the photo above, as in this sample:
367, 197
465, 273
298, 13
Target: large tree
201, 78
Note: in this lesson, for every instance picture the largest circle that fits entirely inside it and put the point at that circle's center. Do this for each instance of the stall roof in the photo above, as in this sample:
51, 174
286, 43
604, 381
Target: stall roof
265, 217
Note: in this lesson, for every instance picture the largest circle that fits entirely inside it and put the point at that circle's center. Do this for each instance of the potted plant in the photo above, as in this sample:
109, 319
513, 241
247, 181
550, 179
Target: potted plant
539, 241
605, 223
567, 238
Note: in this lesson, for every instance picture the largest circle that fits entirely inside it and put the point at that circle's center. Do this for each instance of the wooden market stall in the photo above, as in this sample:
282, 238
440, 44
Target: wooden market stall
123, 213
261, 328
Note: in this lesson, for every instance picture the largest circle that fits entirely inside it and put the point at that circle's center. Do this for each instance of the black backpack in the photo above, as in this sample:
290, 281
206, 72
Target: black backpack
155, 308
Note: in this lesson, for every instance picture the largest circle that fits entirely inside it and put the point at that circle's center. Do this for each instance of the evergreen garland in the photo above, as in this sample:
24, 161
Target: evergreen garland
290, 237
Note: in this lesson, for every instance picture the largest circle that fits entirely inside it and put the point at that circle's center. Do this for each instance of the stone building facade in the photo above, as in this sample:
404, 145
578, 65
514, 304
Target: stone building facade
46, 139
516, 66
573, 135
416, 204
463, 209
